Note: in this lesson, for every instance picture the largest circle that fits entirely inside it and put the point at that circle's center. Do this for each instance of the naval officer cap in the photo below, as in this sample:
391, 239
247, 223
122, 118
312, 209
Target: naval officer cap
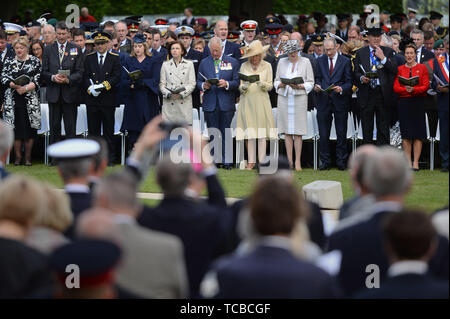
76, 148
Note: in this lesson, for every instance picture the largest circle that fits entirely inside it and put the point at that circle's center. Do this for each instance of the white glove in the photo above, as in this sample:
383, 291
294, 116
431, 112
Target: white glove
98, 87
93, 92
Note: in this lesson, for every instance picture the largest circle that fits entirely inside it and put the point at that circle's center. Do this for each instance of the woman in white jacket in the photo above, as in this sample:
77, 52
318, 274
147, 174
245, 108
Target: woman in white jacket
293, 99
176, 85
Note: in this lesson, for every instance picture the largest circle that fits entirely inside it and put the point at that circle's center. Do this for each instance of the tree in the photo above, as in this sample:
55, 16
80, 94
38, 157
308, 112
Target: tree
251, 9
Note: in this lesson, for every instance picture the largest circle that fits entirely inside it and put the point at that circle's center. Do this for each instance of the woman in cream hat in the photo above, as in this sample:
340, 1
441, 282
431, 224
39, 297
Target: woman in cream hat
254, 119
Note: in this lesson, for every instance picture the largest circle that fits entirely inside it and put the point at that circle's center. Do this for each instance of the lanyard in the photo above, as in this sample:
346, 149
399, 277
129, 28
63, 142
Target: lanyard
216, 65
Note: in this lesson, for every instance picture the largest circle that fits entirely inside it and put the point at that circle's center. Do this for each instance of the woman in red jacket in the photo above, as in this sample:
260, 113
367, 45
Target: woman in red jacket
411, 111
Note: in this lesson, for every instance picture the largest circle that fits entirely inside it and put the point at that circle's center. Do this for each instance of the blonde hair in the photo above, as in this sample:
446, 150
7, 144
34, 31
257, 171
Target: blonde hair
146, 49
58, 215
22, 199
199, 41
22, 41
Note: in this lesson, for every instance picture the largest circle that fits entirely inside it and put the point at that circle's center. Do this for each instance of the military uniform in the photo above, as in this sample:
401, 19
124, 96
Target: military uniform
101, 76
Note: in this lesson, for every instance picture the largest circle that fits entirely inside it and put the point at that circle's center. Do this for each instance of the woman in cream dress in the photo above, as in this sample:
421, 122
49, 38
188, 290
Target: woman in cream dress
177, 73
254, 118
293, 99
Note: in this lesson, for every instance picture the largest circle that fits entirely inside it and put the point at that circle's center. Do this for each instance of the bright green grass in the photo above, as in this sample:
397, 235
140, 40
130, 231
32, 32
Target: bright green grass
430, 190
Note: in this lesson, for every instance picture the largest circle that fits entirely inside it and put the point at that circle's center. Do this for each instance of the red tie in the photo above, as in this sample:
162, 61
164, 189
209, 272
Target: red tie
331, 66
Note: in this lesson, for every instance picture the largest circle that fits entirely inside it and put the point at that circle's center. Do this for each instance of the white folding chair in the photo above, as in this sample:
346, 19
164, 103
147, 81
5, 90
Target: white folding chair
45, 129
359, 134
118, 119
315, 126
432, 140
311, 135
81, 127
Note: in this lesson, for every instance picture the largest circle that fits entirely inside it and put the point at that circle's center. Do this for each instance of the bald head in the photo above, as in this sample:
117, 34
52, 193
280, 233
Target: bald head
298, 37
96, 223
221, 30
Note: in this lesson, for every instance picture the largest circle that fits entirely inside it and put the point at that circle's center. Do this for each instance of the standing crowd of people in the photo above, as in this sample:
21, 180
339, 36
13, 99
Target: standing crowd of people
169, 68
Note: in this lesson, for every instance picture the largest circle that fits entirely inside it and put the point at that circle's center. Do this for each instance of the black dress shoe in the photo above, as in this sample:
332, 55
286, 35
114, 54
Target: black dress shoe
227, 167
444, 169
416, 169
342, 168
324, 167
219, 165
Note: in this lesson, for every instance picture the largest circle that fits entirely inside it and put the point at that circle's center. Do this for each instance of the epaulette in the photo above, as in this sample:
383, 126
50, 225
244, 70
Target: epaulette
113, 53
90, 53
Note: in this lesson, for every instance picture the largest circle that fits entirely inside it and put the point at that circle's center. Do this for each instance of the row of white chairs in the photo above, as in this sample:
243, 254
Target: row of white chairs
354, 133
81, 127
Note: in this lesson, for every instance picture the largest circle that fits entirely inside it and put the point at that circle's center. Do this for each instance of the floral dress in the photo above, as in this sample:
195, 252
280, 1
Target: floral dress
22, 112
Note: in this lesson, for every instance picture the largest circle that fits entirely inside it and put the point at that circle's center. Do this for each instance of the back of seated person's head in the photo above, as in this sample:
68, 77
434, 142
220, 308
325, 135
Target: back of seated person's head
6, 139
97, 223
57, 215
387, 173
100, 159
74, 168
22, 200
356, 165
117, 192
276, 206
173, 178
409, 235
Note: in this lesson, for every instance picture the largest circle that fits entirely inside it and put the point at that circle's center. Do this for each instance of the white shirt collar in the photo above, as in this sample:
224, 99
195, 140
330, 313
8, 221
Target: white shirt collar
76, 188
408, 267
276, 241
387, 206
64, 44
104, 55
124, 219
190, 193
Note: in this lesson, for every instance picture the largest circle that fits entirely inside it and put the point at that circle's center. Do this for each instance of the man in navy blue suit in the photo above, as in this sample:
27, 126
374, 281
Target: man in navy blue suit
441, 70
270, 269
219, 99
333, 69
410, 241
229, 49
389, 179
6, 142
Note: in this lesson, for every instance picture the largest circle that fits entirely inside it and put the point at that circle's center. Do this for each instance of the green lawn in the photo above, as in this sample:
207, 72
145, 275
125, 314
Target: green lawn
430, 190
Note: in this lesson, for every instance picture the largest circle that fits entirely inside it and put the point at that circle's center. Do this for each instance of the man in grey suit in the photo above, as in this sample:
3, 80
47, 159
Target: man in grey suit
153, 265
62, 69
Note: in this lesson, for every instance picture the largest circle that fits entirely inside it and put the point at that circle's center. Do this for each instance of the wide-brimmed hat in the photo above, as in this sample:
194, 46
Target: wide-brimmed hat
291, 46
255, 48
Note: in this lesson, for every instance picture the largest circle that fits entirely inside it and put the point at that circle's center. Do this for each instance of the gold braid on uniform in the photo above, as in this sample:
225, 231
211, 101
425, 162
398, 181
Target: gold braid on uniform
107, 85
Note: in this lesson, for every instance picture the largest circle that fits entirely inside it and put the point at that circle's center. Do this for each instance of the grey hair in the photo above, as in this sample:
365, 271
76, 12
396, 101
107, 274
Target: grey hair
387, 172
416, 31
446, 39
387, 40
73, 168
333, 40
6, 138
119, 189
213, 41
173, 178
49, 26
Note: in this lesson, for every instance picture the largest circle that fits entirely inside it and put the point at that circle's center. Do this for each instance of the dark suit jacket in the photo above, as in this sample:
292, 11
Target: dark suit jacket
126, 48
196, 57
215, 96
408, 286
110, 72
271, 272
340, 34
385, 74
362, 245
184, 22
341, 76
425, 55
78, 203
50, 66
312, 101
162, 53
202, 228
442, 98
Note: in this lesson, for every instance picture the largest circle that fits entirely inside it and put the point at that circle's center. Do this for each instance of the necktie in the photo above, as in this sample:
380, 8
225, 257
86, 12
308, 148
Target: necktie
373, 82
331, 66
101, 61
61, 53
